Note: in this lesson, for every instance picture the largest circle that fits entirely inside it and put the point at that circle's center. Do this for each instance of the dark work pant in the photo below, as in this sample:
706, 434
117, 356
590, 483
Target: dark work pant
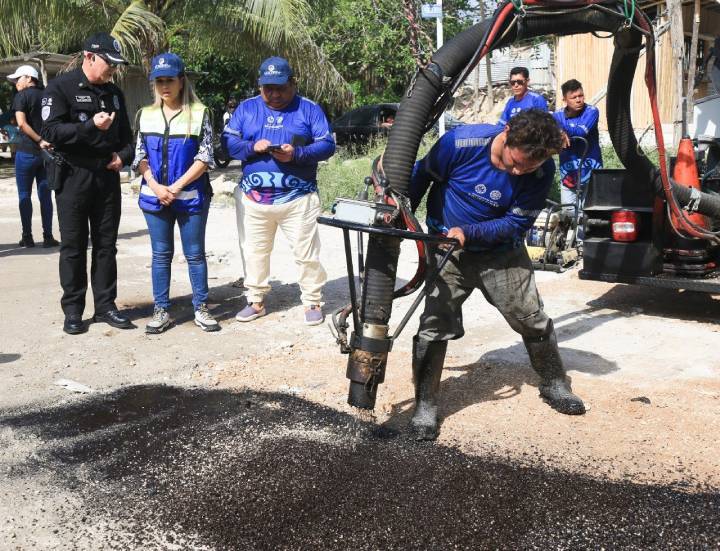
88, 196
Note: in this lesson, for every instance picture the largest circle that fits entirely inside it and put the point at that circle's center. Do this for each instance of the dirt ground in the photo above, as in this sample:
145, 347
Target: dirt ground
643, 359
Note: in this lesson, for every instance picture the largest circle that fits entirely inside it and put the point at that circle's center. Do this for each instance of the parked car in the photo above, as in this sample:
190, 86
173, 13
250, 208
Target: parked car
361, 126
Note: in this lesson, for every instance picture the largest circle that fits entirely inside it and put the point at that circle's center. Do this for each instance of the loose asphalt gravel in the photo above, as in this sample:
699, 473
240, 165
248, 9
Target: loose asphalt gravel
173, 468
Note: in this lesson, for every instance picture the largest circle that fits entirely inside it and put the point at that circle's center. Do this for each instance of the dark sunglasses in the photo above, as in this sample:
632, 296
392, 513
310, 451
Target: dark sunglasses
108, 61
518, 82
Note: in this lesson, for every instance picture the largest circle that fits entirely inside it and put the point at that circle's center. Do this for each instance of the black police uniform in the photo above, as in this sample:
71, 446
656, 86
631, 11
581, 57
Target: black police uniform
86, 190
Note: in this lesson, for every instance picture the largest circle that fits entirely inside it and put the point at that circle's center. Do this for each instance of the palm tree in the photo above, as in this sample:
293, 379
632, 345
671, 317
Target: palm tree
257, 28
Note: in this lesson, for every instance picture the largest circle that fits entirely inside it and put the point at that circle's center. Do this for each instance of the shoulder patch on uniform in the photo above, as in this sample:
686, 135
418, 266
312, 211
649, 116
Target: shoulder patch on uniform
116, 102
83, 99
45, 112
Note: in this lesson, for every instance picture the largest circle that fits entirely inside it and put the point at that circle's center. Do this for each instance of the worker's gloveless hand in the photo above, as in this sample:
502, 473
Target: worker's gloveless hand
456, 233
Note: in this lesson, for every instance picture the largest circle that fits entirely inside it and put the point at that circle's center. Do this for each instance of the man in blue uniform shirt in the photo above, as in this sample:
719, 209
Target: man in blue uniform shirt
488, 186
522, 97
581, 120
280, 137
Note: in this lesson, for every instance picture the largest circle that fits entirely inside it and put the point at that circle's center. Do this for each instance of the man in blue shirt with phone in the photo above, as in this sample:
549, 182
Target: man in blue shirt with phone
280, 137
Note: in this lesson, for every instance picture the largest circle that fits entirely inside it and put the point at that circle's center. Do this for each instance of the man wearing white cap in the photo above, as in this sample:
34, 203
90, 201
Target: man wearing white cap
29, 164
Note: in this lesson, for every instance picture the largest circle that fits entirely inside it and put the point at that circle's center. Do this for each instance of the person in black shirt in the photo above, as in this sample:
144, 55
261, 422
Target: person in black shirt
85, 119
29, 164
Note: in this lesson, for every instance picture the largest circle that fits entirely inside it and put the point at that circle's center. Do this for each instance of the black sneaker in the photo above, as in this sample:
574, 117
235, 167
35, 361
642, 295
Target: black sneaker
49, 241
27, 240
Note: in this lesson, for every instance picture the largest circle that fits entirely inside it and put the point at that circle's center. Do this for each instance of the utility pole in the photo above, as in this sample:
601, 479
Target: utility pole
488, 62
434, 11
677, 42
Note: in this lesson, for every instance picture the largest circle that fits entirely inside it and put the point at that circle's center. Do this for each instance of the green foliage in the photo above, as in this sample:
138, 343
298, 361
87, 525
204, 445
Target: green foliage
367, 41
243, 30
343, 175
6, 94
219, 77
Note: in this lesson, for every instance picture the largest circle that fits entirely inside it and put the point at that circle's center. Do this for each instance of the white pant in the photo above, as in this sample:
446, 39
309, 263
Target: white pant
239, 215
298, 221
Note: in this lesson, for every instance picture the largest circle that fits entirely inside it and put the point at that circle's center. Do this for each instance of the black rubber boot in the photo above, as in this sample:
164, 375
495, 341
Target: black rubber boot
428, 359
554, 386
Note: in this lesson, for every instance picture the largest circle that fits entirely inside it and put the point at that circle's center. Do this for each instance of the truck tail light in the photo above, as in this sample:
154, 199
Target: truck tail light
624, 225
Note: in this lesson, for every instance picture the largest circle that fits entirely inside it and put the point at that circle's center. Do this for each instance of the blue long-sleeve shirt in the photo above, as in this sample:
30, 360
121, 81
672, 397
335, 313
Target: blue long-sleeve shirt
531, 100
302, 124
492, 207
585, 125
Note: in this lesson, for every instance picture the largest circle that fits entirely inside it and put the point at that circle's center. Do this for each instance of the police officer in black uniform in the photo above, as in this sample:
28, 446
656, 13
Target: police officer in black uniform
85, 118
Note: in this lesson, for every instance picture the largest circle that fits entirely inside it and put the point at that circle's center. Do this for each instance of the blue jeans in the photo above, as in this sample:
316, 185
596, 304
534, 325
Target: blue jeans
29, 168
192, 234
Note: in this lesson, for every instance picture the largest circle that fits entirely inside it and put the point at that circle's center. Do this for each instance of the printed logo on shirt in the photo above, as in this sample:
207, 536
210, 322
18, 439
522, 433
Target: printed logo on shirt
480, 190
83, 99
45, 112
46, 101
274, 123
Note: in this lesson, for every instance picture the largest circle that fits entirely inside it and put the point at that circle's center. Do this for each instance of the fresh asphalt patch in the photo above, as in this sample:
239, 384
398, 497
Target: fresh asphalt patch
176, 468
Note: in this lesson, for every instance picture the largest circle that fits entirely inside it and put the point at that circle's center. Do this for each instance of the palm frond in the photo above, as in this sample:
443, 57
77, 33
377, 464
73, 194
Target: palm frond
140, 32
261, 28
44, 24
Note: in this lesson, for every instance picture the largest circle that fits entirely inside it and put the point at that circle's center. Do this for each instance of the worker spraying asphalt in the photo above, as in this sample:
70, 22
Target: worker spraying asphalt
391, 219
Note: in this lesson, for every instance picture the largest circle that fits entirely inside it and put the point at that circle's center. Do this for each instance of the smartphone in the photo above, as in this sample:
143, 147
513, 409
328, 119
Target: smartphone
275, 147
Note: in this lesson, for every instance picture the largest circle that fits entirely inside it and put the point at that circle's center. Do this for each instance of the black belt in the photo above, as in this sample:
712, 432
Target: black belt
87, 161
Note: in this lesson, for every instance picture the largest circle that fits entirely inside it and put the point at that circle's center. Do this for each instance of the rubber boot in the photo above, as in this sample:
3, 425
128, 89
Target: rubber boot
554, 386
428, 359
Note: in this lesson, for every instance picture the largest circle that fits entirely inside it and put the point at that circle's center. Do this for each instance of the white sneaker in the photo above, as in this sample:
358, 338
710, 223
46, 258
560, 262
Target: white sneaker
159, 322
205, 320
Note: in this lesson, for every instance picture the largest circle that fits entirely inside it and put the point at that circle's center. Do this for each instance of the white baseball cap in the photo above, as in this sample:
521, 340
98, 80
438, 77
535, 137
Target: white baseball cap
23, 71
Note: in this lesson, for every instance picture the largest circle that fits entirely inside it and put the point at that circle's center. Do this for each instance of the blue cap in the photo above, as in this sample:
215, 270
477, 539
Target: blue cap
274, 70
166, 65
